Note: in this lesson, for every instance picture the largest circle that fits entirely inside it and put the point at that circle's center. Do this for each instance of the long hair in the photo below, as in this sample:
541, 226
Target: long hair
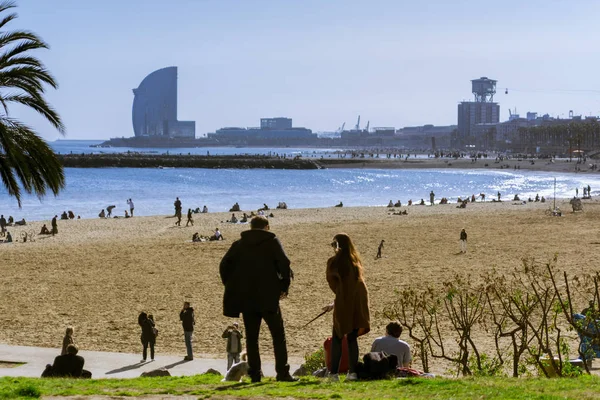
346, 259
142, 317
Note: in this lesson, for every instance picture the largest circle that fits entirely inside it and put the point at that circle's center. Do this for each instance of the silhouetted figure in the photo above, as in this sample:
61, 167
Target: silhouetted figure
463, 241
379, 249
44, 230
189, 218
71, 215
109, 210
54, 225
102, 214
431, 198
64, 215
131, 206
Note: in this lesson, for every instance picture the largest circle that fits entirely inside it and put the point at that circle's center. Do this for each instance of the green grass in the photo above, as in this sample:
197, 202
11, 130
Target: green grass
210, 387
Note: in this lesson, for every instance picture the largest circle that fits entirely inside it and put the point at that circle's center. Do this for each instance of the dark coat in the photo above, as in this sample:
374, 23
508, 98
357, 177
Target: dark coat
147, 331
186, 317
68, 365
255, 272
228, 334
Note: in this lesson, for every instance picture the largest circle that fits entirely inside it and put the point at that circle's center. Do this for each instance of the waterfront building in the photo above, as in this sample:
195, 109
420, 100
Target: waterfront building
154, 111
483, 110
270, 128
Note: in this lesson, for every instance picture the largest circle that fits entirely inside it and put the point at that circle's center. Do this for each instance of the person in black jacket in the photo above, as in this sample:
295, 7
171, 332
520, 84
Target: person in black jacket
186, 316
256, 274
67, 365
148, 337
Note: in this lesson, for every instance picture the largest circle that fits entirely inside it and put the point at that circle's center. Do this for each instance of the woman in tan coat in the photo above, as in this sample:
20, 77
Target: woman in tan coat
351, 305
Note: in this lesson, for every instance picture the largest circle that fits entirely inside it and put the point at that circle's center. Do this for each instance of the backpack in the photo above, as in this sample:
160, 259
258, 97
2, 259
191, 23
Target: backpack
155, 331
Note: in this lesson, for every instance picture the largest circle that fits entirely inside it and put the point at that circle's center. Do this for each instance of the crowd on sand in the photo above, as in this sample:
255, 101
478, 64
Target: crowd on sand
256, 274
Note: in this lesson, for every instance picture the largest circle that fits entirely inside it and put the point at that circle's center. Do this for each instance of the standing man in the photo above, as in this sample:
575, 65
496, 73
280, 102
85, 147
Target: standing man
431, 197
54, 225
234, 344
186, 316
189, 218
2, 225
499, 195
177, 205
256, 274
463, 241
130, 202
379, 249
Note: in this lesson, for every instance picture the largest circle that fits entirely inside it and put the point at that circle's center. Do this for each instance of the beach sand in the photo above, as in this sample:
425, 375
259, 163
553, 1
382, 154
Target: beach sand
97, 275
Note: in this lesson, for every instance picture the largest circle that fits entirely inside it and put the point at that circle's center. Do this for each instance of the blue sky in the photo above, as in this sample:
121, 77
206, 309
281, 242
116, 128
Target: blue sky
321, 62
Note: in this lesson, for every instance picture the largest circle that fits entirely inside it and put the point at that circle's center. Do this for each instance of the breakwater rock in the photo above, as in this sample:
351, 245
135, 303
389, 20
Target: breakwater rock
135, 160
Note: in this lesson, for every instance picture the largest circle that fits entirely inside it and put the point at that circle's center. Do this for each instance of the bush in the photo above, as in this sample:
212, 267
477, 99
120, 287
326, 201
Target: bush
314, 361
28, 390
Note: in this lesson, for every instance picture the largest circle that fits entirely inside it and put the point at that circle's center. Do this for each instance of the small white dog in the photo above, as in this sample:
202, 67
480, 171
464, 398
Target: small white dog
236, 372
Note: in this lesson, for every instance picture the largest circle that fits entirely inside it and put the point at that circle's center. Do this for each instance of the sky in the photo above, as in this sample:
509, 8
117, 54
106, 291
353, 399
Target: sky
321, 62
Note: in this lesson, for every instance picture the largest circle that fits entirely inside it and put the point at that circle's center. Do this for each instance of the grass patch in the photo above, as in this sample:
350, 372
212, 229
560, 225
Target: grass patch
585, 387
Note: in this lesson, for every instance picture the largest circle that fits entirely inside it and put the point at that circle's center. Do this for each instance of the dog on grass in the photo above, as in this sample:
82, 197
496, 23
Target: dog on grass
237, 370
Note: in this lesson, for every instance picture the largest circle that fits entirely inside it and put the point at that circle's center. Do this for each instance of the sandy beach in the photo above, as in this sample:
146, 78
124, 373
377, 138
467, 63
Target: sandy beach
98, 274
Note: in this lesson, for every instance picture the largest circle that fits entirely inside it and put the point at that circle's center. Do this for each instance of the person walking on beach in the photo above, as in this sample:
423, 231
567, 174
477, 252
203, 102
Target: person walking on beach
379, 249
351, 305
130, 202
54, 225
188, 320
256, 273
177, 205
234, 344
148, 338
189, 218
463, 241
431, 198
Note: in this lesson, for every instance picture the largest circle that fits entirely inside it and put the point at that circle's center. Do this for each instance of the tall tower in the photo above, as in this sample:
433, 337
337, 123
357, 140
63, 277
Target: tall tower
483, 111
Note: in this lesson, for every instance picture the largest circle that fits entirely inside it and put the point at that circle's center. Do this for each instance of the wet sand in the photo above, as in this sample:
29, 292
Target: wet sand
98, 274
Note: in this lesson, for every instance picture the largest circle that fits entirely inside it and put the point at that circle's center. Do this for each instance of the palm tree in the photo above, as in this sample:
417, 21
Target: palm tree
24, 156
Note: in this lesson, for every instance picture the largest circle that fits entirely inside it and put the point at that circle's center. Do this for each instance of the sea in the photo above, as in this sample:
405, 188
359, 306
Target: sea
89, 190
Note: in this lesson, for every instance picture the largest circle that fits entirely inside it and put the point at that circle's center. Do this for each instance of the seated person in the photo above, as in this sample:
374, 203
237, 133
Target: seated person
102, 214
252, 214
261, 212
196, 237
8, 238
64, 215
340, 205
204, 210
233, 219
422, 203
410, 202
11, 220
44, 230
126, 214
390, 204
398, 204
537, 197
543, 199
21, 222
271, 215
530, 200
265, 206
244, 218
196, 211
217, 235
516, 198
68, 365
391, 344
282, 205
235, 207
71, 215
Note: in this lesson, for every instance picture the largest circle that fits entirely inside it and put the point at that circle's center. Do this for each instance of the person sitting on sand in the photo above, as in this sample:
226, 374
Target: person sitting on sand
462, 204
398, 204
244, 218
235, 207
127, 214
8, 238
233, 219
390, 204
537, 197
204, 209
410, 202
265, 207
102, 214
67, 365
196, 237
530, 200
271, 215
11, 220
64, 215
196, 211
217, 235
45, 230
71, 215
422, 203
340, 204
516, 198
282, 205
543, 199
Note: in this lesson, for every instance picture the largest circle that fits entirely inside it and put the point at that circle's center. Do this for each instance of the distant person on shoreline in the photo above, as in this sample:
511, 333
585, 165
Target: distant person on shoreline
177, 205
64, 215
463, 241
2, 225
67, 340
235, 207
233, 219
499, 196
102, 214
127, 214
390, 204
54, 225
71, 215
432, 198
8, 238
189, 218
204, 209
109, 210
131, 207
340, 204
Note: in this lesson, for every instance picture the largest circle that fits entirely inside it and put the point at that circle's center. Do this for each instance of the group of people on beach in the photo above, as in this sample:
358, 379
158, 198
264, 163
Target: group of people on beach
109, 210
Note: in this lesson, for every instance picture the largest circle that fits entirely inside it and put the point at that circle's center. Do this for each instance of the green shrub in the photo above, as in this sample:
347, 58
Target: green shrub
28, 390
314, 361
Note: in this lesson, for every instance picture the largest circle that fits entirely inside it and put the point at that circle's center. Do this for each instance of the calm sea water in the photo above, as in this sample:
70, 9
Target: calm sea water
154, 190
